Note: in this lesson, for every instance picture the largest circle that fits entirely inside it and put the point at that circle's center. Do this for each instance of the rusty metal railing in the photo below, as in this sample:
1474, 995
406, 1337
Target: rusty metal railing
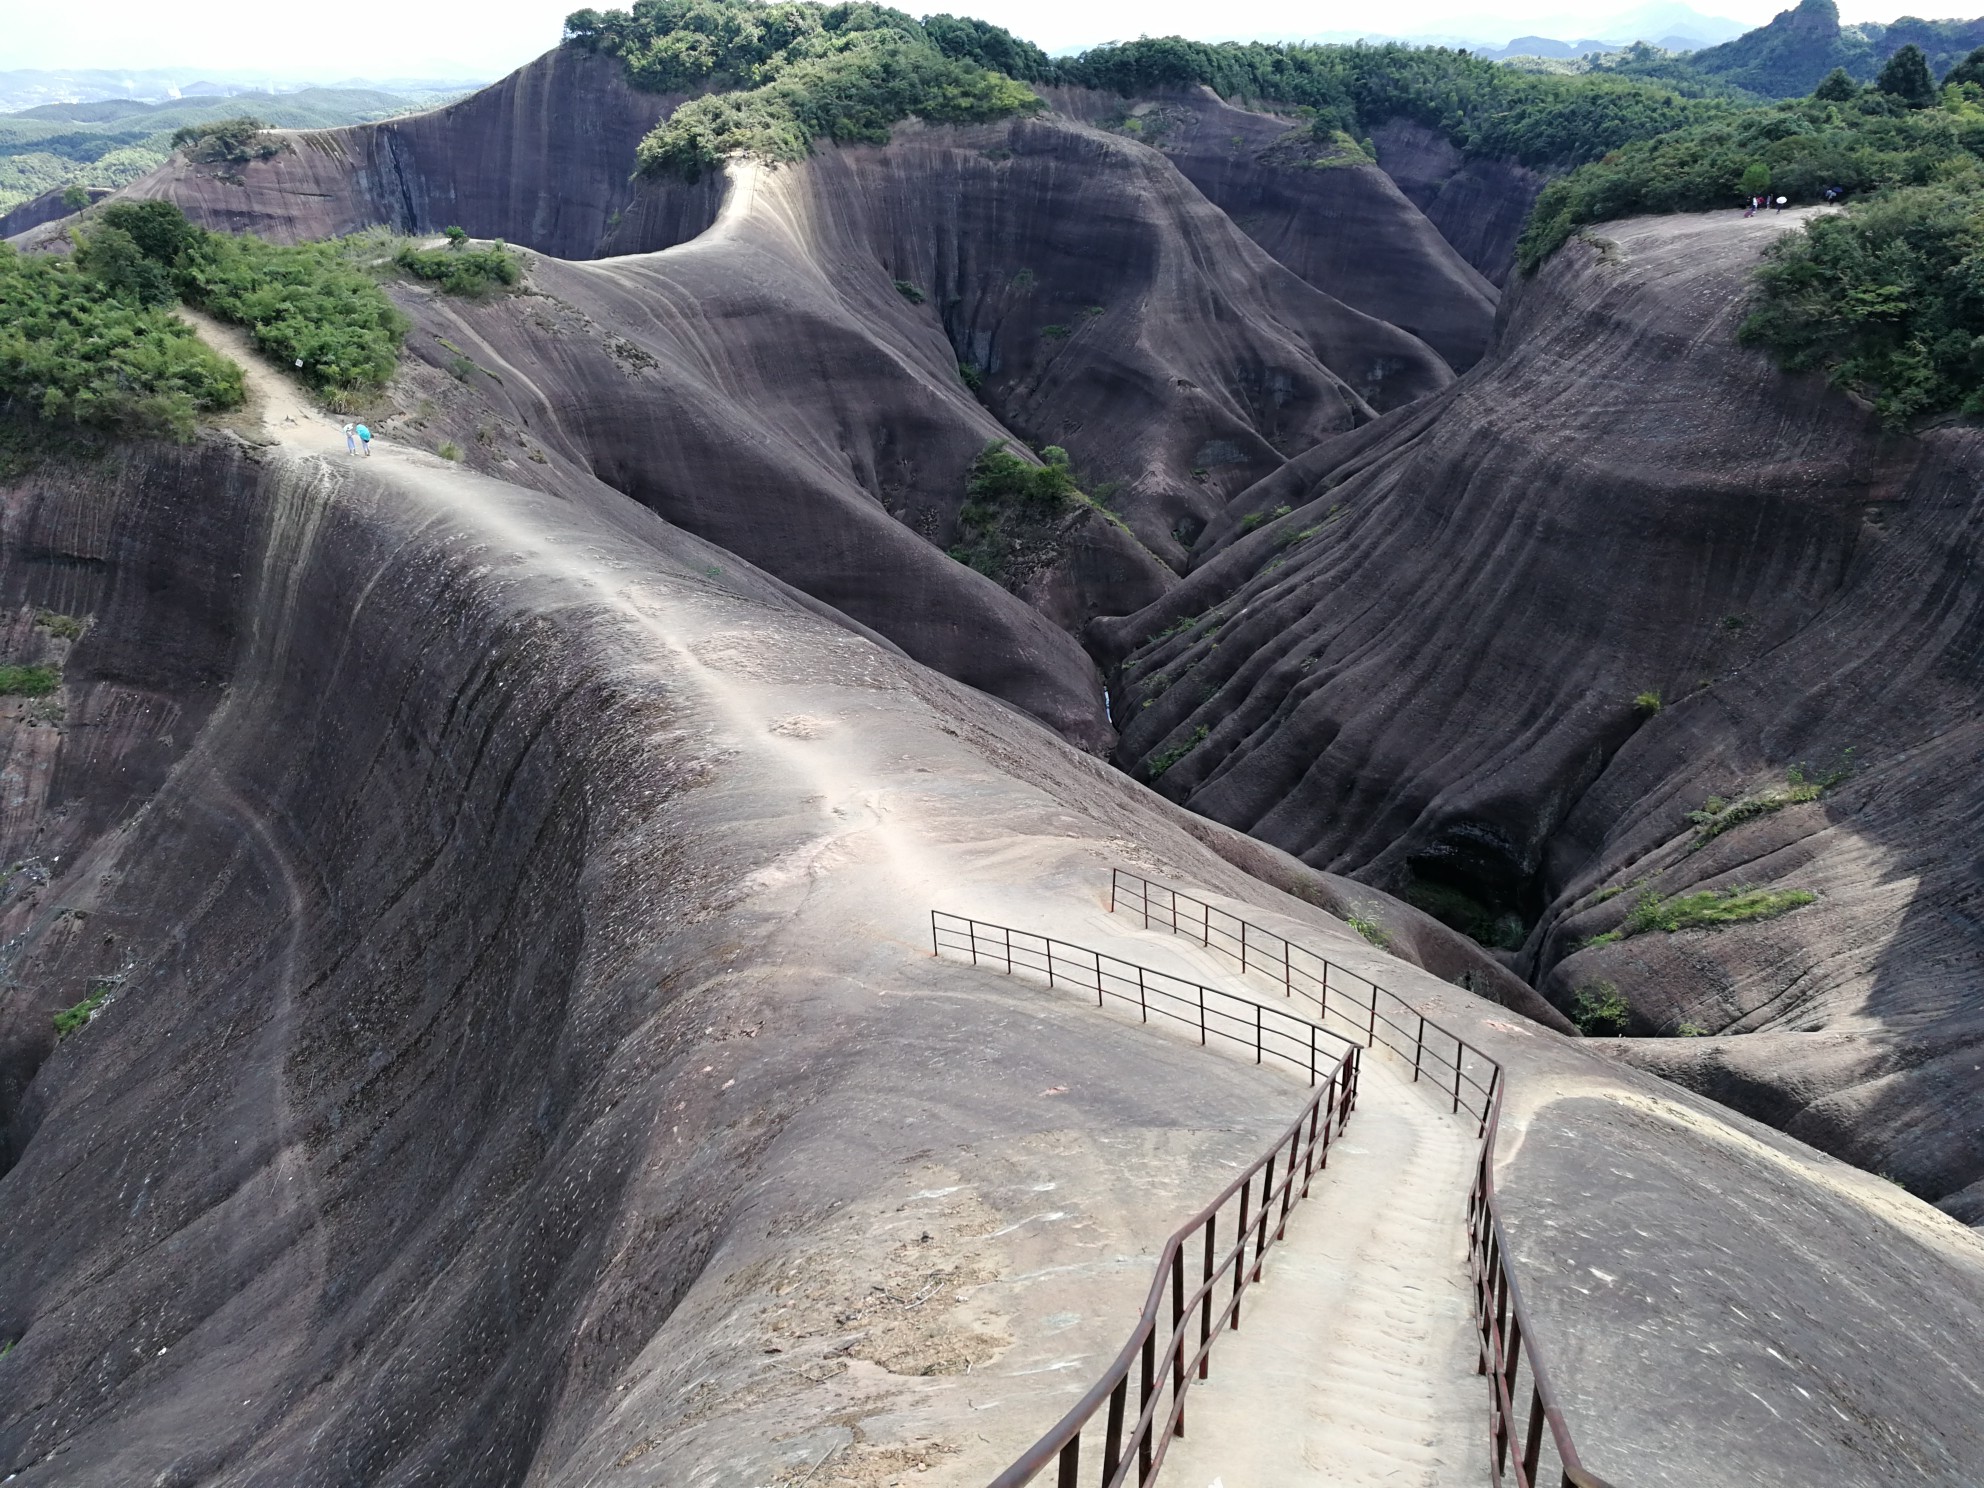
1508, 1354
1202, 1280
1208, 1011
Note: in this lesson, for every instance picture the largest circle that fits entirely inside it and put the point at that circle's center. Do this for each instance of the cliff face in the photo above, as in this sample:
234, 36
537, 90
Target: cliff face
834, 311
1426, 675
1479, 206
524, 1062
543, 158
1345, 228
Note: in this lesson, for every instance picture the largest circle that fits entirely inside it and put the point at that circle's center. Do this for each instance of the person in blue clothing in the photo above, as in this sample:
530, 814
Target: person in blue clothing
365, 438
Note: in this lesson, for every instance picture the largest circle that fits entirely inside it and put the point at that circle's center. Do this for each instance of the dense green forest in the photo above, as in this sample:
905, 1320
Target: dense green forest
112, 142
776, 76
1866, 141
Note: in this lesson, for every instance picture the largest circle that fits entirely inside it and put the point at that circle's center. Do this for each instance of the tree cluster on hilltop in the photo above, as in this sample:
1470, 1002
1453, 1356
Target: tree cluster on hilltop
775, 76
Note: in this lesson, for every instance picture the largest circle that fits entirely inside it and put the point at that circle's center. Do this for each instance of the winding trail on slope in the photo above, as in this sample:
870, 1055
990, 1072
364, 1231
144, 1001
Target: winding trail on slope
1356, 1365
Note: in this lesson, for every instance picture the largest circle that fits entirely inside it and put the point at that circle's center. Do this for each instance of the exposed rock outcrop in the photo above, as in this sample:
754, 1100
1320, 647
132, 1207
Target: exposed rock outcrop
39, 211
544, 158
525, 1063
1426, 674
1341, 224
1478, 205
1099, 301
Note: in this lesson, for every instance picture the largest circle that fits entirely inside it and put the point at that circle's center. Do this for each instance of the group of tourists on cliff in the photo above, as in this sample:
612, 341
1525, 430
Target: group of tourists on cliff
1759, 201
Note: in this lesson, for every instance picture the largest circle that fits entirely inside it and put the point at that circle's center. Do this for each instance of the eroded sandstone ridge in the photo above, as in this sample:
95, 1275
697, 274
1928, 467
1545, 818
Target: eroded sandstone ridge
503, 882
1628, 613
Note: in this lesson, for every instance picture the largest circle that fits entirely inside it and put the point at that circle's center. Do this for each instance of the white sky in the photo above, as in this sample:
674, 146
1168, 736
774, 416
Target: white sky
405, 38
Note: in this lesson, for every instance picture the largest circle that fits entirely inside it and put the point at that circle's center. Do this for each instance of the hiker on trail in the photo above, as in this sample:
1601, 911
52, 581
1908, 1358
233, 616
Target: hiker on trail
1750, 208
365, 438
1781, 201
351, 439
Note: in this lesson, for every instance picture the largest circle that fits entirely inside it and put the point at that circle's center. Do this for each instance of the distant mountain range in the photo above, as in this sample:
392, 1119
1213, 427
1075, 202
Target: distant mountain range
106, 142
29, 88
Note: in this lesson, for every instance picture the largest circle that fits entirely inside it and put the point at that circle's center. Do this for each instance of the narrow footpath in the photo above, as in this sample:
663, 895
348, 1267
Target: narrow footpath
1354, 1363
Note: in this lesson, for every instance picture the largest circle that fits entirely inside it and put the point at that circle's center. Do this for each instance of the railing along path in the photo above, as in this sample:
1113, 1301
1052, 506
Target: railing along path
1521, 1403
1199, 1277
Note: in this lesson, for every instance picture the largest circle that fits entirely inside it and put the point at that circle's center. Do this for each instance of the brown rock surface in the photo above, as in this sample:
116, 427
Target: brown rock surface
1426, 672
1346, 229
1478, 205
525, 1063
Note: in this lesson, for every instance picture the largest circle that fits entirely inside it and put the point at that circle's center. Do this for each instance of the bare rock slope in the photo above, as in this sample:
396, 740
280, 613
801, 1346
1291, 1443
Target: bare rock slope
1426, 675
524, 1063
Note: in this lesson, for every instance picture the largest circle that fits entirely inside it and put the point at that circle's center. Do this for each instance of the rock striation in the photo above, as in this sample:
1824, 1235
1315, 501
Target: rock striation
1502, 643
524, 1062
1339, 222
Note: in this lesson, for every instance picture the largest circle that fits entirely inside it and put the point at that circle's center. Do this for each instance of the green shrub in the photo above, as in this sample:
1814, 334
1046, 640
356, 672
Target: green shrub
1599, 1011
303, 303
1717, 816
74, 348
71, 1018
62, 627
75, 198
461, 270
1648, 702
1706, 909
909, 291
1165, 759
225, 141
1370, 929
449, 450
1882, 299
28, 681
1013, 508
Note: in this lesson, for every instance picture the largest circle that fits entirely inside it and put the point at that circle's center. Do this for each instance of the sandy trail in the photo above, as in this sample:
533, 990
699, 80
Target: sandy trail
1356, 1364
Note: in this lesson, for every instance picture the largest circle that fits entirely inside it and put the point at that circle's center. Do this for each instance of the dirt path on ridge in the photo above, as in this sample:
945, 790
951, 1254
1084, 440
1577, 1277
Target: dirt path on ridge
1354, 1367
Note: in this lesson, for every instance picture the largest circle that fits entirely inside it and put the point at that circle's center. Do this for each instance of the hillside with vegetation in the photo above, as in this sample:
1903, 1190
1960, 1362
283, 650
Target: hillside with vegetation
468, 1011
775, 77
92, 338
112, 142
1798, 47
1881, 296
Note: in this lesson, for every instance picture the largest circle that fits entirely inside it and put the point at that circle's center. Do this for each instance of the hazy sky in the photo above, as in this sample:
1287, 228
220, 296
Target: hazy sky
386, 38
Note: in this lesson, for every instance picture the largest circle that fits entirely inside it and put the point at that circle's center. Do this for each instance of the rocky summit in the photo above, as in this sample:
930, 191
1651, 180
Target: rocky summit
694, 746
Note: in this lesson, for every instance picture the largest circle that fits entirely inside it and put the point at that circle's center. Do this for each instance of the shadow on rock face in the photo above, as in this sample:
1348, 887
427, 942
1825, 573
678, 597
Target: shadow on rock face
1623, 569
